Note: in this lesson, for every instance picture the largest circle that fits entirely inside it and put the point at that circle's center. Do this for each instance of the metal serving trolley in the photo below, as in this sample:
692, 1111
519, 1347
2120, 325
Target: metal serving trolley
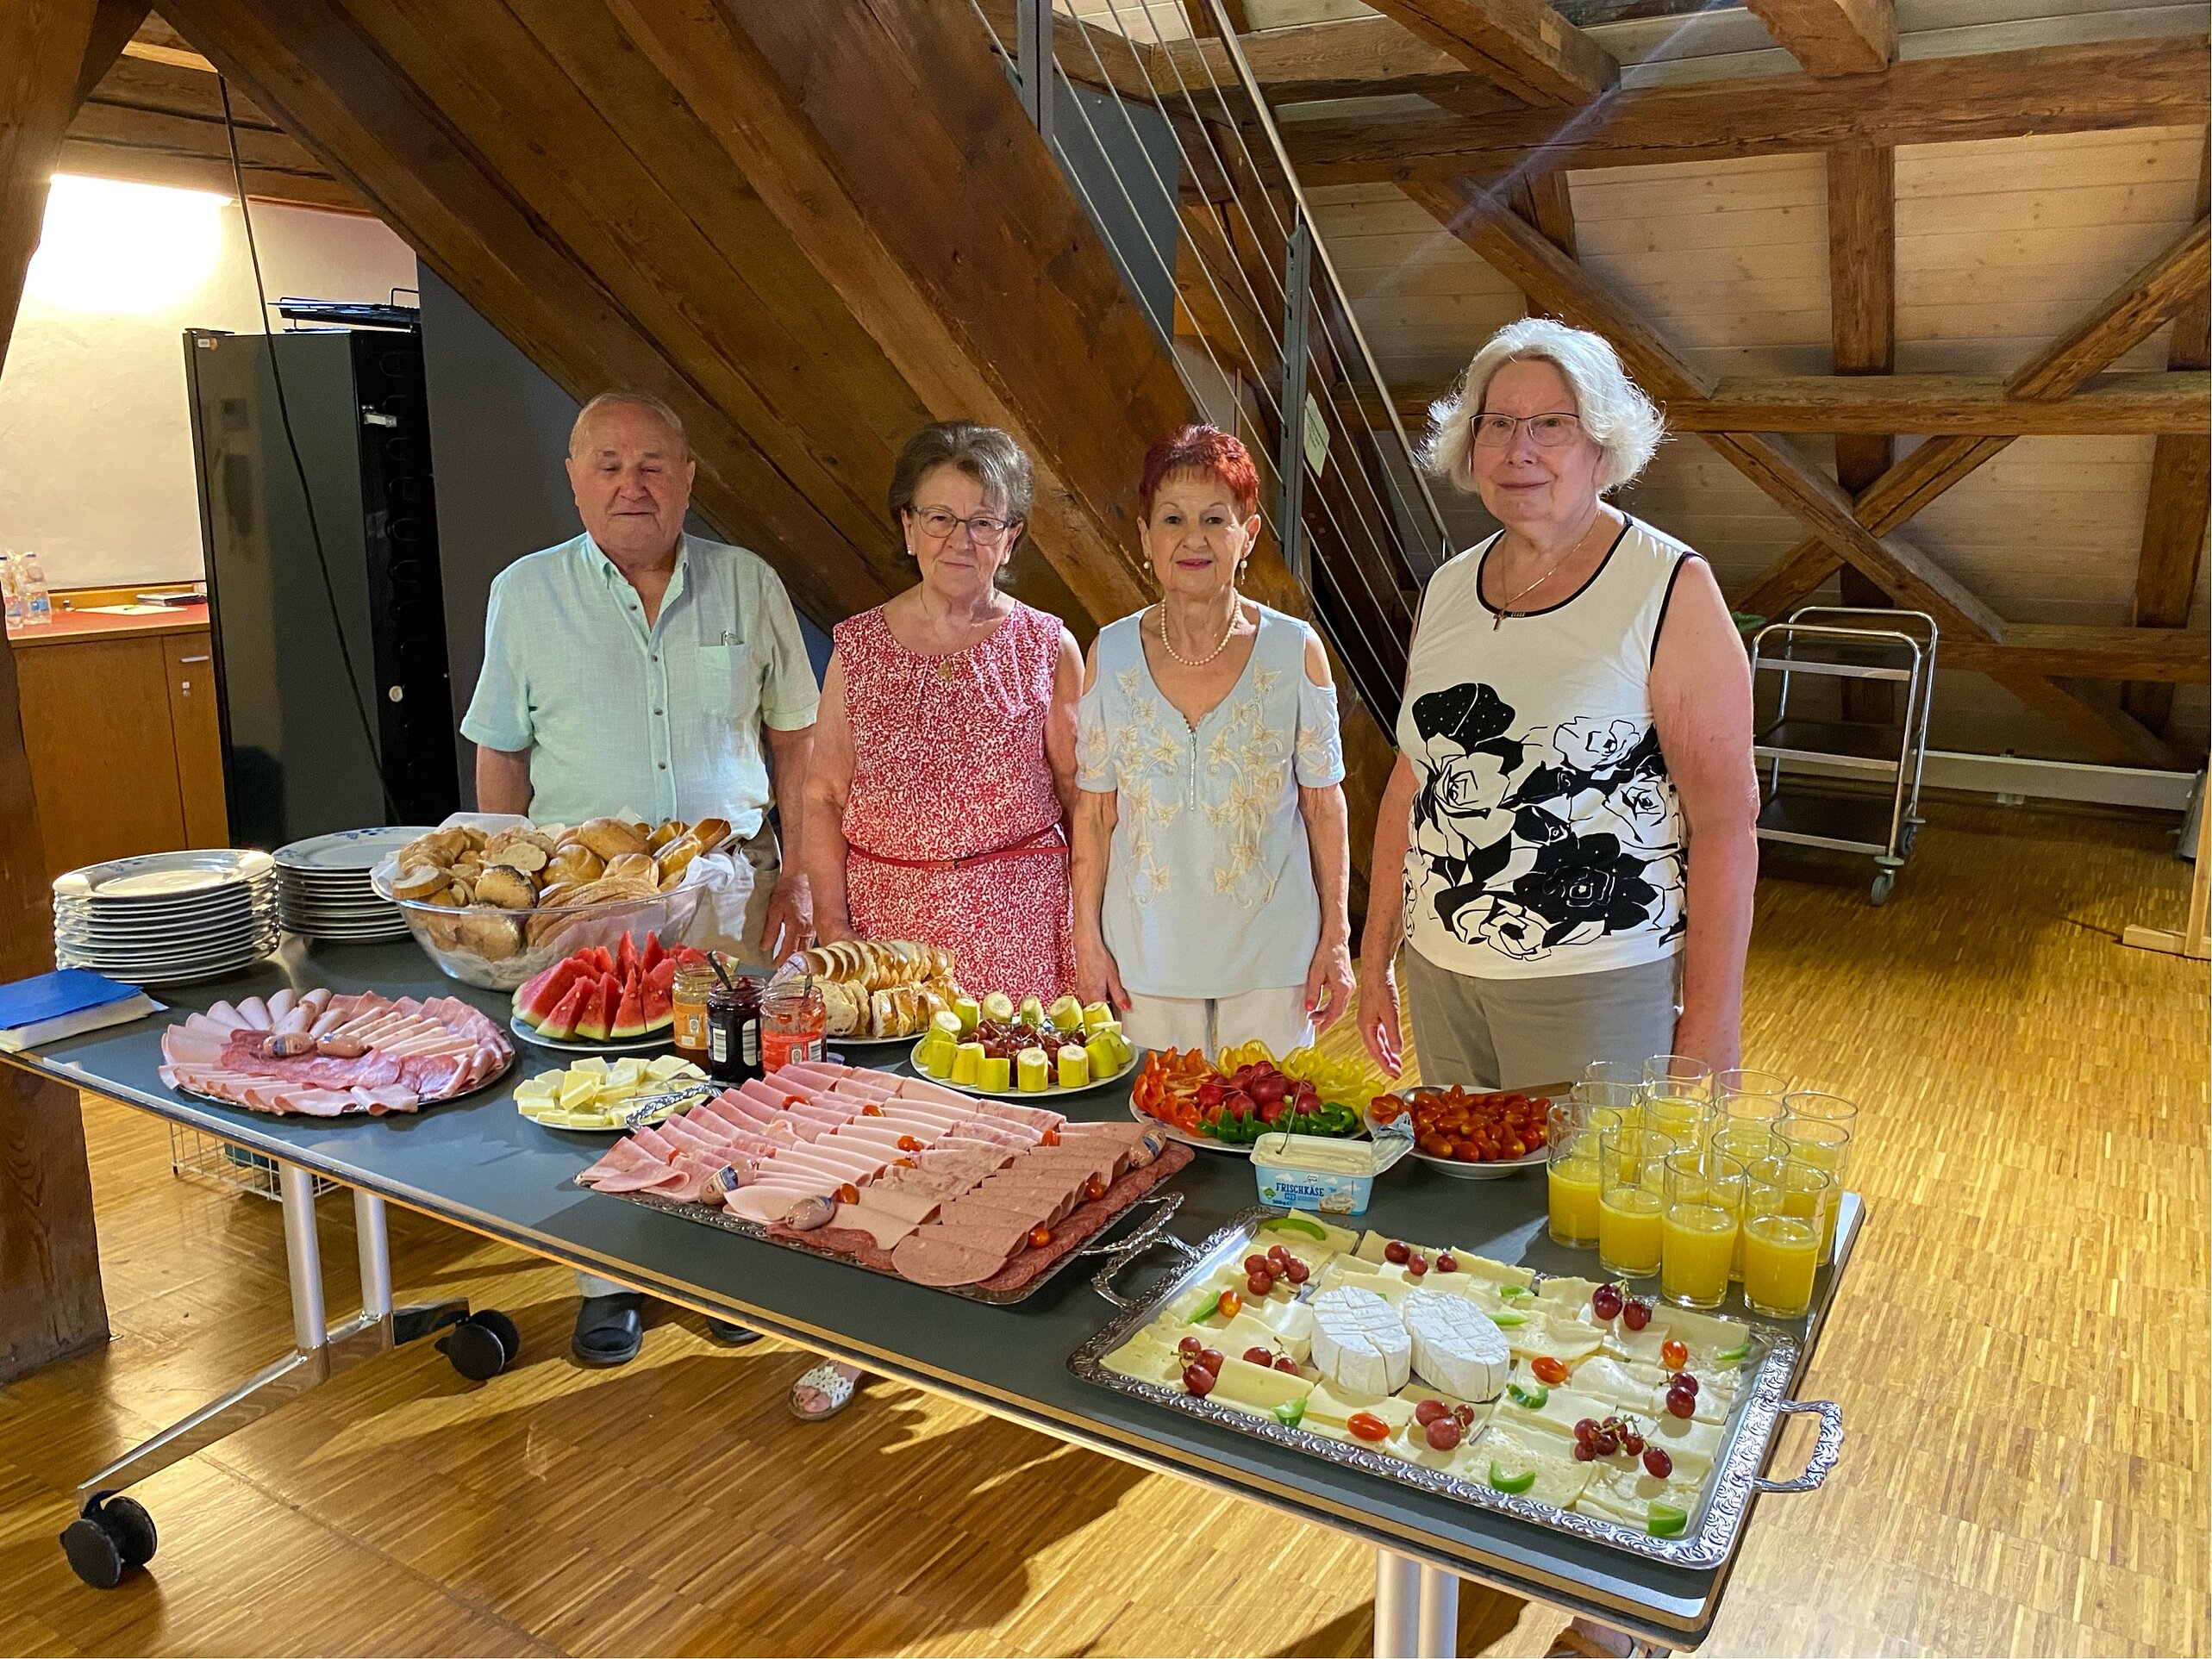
1893, 646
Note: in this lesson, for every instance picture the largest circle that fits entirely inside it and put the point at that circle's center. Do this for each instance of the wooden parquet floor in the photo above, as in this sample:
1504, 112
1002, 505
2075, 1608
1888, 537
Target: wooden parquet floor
2022, 1365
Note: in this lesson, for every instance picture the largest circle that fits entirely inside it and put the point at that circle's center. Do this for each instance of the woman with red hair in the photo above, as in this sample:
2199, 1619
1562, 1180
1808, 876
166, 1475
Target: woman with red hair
1212, 859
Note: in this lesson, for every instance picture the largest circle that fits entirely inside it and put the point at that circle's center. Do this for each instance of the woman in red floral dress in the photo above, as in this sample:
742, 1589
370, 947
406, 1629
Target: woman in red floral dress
944, 765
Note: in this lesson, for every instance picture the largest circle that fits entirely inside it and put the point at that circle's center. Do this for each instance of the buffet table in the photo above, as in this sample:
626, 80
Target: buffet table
478, 1164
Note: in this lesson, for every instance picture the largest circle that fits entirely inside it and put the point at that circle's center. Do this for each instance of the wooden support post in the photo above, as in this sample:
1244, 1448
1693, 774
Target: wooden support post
2195, 939
50, 1299
1863, 304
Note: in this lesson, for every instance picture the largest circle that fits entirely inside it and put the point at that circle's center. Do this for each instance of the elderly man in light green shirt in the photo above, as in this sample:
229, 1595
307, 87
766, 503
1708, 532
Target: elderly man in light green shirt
638, 667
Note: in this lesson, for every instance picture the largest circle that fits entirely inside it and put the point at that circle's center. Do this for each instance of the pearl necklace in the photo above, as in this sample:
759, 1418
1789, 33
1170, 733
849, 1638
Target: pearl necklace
1168, 644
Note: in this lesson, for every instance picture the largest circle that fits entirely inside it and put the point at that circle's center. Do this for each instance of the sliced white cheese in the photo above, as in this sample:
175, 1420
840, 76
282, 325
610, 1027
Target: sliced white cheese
1257, 1387
1559, 1478
1146, 1356
1292, 1323
1392, 1287
1330, 1406
1456, 1347
1625, 1494
1359, 1341
1547, 1333
1562, 1409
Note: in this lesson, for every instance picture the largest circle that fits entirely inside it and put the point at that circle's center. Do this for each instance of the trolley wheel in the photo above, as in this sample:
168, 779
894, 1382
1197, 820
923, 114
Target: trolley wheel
112, 1536
510, 1339
1884, 881
475, 1349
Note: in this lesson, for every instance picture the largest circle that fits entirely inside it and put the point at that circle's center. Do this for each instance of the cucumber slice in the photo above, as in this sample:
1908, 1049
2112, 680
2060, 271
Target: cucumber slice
1532, 1395
1665, 1521
1506, 1318
1518, 1480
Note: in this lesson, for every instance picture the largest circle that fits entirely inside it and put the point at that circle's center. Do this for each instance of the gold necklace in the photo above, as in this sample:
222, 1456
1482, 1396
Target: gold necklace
1168, 644
1499, 614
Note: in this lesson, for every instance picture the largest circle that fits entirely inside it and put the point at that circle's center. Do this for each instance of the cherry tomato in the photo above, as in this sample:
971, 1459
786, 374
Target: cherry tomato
1040, 1237
1366, 1425
1231, 1304
1548, 1370
1674, 1353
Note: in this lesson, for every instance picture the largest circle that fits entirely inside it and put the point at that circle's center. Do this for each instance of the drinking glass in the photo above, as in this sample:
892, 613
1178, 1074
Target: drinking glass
1571, 1172
1828, 1109
1742, 1080
1704, 1197
1631, 1198
1623, 1101
1628, 1072
1678, 1095
1788, 1205
1825, 1146
1747, 1140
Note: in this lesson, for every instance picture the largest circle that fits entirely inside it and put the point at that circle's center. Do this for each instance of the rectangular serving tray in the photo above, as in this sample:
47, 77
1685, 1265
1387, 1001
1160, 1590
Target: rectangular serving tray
1748, 1433
1164, 1205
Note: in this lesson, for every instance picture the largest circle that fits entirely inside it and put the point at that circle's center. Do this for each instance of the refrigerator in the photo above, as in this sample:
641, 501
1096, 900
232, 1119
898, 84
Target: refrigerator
329, 630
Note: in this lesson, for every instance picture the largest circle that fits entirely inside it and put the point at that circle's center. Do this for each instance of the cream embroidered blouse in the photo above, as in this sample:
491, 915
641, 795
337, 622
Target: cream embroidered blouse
1210, 885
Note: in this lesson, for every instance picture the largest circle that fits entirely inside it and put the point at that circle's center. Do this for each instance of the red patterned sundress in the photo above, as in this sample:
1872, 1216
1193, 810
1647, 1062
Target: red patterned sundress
948, 767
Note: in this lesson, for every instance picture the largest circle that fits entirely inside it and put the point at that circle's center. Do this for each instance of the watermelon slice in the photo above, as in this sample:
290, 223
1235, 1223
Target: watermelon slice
560, 1026
591, 1023
629, 1013
595, 958
538, 999
652, 954
659, 1006
626, 958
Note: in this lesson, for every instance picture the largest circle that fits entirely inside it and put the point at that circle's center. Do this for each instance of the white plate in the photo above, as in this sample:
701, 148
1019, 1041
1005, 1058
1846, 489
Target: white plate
1453, 1167
168, 977
163, 876
226, 945
664, 1038
349, 852
1029, 1096
225, 902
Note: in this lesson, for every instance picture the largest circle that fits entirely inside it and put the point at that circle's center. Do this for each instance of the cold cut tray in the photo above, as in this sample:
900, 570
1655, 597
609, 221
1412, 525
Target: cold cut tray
1712, 1532
1029, 1271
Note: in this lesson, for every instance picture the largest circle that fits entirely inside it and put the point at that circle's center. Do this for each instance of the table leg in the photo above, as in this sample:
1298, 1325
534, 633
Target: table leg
1397, 1605
1438, 1637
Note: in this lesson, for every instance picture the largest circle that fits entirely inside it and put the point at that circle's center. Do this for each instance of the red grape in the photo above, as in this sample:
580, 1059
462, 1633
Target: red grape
1632, 1443
1635, 1312
1296, 1271
1686, 1382
1680, 1405
1257, 1264
1428, 1411
1446, 1262
1607, 1443
1417, 1266
1585, 1451
1464, 1416
1256, 1355
1396, 1252
1260, 1284
1284, 1363
1189, 1347
1605, 1302
1585, 1428
1198, 1379
1211, 1359
1443, 1434
1658, 1464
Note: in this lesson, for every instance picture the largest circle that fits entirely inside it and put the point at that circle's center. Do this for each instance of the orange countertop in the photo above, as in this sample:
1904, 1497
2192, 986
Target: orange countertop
73, 627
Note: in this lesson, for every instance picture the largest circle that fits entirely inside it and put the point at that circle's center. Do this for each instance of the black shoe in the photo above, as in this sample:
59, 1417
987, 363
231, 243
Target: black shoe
609, 1330
730, 1336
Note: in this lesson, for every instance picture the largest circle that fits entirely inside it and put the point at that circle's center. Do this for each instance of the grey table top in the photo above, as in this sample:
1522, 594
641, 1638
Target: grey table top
478, 1163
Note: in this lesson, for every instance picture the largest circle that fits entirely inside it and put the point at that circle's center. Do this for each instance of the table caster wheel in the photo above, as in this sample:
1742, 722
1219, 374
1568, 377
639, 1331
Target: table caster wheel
479, 1349
1884, 881
111, 1537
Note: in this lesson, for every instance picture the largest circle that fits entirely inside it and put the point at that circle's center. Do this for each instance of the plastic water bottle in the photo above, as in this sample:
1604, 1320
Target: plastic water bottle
12, 594
38, 604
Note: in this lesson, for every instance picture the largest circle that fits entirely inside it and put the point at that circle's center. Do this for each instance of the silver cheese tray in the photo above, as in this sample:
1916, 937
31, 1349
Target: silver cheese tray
1725, 1504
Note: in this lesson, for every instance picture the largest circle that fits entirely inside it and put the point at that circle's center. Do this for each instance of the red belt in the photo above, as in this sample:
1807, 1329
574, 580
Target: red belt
1049, 840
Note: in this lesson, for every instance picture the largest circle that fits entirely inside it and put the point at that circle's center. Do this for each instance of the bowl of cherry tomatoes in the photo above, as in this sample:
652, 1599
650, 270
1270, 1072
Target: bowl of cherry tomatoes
1468, 1133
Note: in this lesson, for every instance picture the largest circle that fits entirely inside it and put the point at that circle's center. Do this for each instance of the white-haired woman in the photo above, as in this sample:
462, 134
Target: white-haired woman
1573, 804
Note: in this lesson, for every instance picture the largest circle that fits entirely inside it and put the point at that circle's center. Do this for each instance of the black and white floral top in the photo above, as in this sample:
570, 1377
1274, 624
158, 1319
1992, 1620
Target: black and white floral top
1546, 838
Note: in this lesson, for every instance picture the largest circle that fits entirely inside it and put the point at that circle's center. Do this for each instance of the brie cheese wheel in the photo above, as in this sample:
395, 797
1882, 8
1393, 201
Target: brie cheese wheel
1456, 1346
1360, 1342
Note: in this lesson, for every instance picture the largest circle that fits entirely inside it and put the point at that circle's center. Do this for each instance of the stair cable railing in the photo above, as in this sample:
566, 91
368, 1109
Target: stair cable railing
1351, 541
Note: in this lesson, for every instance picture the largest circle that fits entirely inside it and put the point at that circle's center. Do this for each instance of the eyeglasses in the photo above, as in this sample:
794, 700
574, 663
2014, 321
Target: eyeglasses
1545, 431
937, 524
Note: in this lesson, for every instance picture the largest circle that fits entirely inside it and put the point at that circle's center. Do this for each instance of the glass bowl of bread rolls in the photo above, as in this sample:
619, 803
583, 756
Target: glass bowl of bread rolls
493, 903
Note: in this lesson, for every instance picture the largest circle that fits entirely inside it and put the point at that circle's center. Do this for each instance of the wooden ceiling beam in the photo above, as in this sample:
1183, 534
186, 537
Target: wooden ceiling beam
2147, 404
158, 147
2087, 710
113, 23
1524, 48
2176, 512
1832, 37
2160, 82
305, 63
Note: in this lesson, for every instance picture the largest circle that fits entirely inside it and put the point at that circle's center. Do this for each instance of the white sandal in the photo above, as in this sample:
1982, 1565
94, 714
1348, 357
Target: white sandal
829, 1382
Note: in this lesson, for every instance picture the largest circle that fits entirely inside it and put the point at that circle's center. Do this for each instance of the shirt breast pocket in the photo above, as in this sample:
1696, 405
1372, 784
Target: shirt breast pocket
729, 682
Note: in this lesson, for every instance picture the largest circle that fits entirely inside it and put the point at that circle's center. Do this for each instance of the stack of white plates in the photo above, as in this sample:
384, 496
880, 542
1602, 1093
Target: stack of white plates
163, 918
323, 885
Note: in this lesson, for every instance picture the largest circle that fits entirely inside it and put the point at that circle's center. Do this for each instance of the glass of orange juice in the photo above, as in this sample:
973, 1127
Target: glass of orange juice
1704, 1196
1825, 1146
1632, 1198
1788, 1205
1678, 1096
1747, 1140
1570, 1171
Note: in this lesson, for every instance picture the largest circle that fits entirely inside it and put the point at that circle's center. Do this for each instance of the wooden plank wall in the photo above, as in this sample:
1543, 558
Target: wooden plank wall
2001, 246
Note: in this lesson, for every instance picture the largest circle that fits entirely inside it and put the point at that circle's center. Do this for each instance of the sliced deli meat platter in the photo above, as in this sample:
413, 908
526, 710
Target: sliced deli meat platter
322, 1054
985, 1198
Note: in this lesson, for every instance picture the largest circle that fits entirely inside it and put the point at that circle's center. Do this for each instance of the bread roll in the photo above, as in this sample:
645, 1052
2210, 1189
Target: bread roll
472, 838
573, 861
420, 881
508, 889
556, 893
439, 846
462, 890
526, 856
488, 933
611, 838
634, 867
848, 1010
675, 858
664, 833
710, 832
